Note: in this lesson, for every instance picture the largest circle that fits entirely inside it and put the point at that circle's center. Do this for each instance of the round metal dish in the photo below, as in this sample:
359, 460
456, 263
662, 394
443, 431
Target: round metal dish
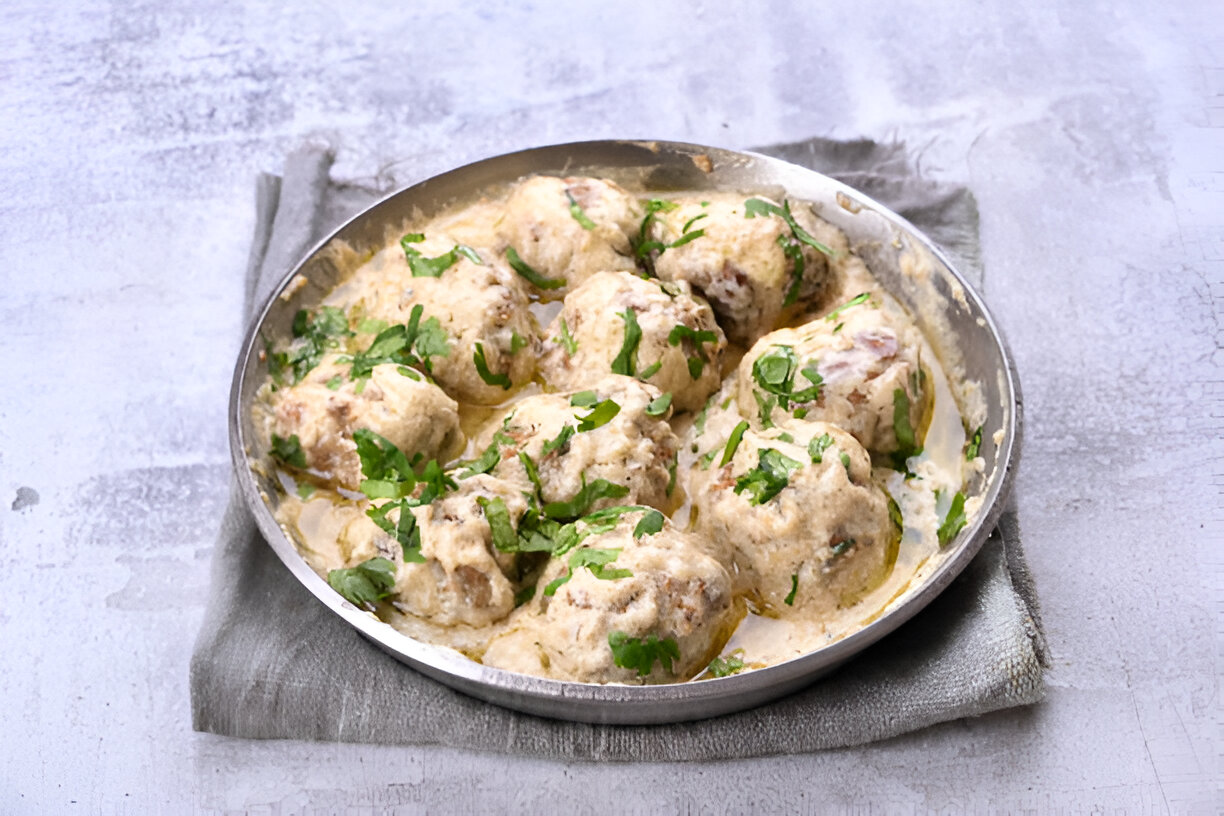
952, 315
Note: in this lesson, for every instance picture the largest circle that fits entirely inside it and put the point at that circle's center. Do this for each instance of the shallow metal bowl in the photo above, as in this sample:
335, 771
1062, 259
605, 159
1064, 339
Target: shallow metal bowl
954, 318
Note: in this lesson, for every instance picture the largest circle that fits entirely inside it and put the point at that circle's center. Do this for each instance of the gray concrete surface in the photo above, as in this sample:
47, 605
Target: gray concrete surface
1092, 133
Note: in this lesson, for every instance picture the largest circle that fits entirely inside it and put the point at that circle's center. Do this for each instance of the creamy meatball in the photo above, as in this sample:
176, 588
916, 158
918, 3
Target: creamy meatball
463, 578
739, 263
327, 406
567, 229
632, 449
483, 310
674, 595
676, 345
809, 537
870, 376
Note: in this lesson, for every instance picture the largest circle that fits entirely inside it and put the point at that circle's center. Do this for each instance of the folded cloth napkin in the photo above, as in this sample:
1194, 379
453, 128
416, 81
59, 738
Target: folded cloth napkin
272, 662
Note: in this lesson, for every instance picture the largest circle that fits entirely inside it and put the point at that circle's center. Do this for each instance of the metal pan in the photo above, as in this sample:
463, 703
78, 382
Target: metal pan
957, 323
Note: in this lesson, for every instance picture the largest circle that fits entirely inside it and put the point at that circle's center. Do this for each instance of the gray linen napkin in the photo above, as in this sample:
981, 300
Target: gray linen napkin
272, 662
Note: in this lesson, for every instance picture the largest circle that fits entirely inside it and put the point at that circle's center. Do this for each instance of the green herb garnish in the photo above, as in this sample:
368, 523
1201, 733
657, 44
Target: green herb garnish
560, 440
626, 359
641, 654
727, 666
587, 495
774, 373
579, 215
768, 478
975, 445
737, 433
533, 277
954, 520
584, 399
789, 600
857, 300
650, 523
367, 583
601, 414
505, 539
817, 448
659, 405
566, 340
482, 368
423, 267
289, 451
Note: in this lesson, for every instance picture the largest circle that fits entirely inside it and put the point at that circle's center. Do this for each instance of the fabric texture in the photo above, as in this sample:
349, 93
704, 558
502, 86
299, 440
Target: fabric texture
272, 662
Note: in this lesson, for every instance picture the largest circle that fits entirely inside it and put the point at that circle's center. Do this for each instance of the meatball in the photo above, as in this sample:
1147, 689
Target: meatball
745, 266
626, 609
327, 406
655, 330
491, 333
463, 579
569, 229
810, 531
870, 379
632, 449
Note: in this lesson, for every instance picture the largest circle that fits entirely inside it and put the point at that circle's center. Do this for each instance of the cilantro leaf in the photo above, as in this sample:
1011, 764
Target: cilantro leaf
578, 213
601, 414
774, 372
488, 459
789, 600
517, 342
558, 442
953, 521
524, 595
367, 583
314, 334
587, 495
382, 463
289, 451
626, 359
584, 399
754, 207
533, 277
641, 654
907, 444
482, 368
650, 523
768, 478
857, 300
975, 445
404, 529
727, 666
737, 433
818, 446
659, 405
650, 370
842, 547
505, 539
566, 340
423, 267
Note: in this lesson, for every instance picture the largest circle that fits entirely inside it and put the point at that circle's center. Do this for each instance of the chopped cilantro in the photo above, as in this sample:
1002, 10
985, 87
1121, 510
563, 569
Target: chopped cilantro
818, 446
786, 437
578, 214
626, 359
313, 336
601, 414
953, 521
488, 459
894, 514
289, 451
671, 473
566, 340
586, 496
371, 325
558, 442
737, 433
768, 478
640, 654
584, 399
482, 368
423, 267
789, 243
651, 523
650, 370
334, 383
857, 300
524, 595
412, 344
845, 460
596, 561
774, 373
700, 422
696, 365
533, 277
789, 600
367, 583
383, 464
517, 342
842, 547
727, 666
659, 405
504, 537
975, 445
907, 444
305, 490
533, 473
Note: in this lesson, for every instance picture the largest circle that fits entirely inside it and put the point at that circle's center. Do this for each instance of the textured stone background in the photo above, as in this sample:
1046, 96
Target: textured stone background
1092, 133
